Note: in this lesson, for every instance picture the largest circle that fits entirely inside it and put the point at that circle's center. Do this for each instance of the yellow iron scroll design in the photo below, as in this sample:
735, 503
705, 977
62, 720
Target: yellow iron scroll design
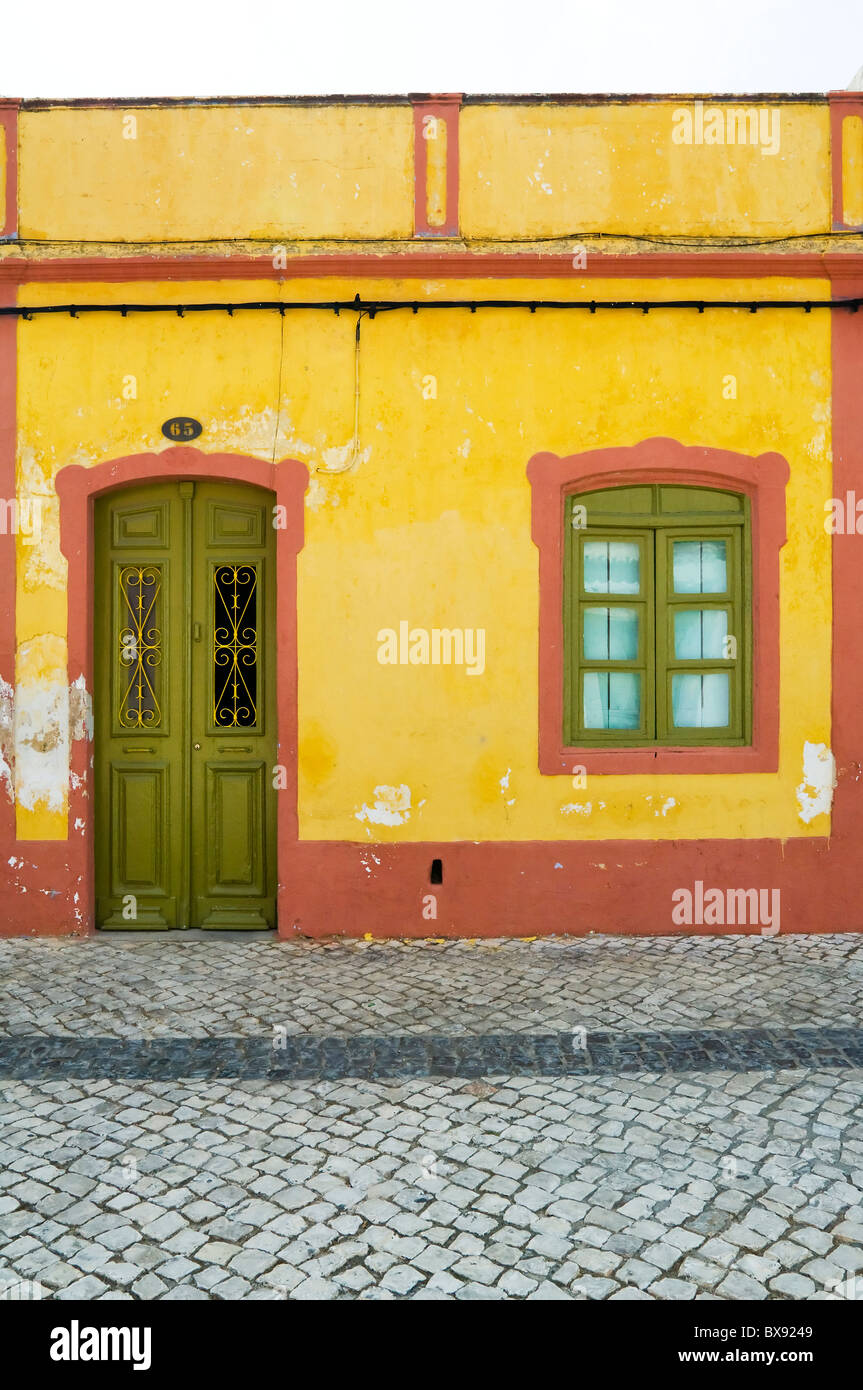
140, 646
235, 645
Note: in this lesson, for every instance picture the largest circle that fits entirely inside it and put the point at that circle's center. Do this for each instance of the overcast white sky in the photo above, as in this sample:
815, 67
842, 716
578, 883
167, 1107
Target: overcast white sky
116, 48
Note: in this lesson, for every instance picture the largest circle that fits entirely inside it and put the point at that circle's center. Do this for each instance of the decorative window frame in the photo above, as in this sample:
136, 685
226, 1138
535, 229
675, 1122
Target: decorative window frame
763, 480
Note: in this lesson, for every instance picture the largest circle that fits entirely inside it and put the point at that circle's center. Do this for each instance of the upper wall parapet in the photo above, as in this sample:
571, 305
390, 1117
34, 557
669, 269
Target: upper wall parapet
396, 169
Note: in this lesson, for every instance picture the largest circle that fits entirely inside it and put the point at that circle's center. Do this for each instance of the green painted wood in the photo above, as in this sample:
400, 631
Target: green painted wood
234, 854
185, 808
654, 516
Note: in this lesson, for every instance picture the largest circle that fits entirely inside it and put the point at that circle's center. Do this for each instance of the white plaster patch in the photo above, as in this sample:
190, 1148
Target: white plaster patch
504, 787
580, 808
42, 744
392, 806
815, 793
80, 711
253, 432
7, 736
318, 496
336, 460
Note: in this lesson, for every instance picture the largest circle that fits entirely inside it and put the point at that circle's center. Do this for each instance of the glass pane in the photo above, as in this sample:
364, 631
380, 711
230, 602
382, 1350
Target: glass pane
610, 634
699, 634
699, 567
140, 646
235, 646
612, 700
611, 567
700, 702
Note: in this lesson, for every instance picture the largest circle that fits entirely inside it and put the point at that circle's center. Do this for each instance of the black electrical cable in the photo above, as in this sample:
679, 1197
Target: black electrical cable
382, 306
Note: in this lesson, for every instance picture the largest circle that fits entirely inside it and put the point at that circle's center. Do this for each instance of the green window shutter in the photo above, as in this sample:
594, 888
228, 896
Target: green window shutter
657, 626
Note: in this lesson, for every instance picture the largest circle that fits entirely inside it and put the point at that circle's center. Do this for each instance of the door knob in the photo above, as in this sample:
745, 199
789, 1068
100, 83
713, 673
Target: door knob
197, 747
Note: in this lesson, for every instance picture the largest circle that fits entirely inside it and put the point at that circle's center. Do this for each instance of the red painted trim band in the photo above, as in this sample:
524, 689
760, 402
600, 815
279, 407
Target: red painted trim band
445, 109
9, 207
842, 104
460, 265
8, 431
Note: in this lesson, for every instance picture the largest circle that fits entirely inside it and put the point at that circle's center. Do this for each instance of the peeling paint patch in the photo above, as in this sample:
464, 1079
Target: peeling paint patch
392, 806
580, 808
815, 793
42, 744
80, 711
7, 737
318, 496
337, 458
504, 787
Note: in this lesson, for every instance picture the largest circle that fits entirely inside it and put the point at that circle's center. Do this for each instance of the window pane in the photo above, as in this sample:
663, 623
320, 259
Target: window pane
700, 702
699, 567
610, 634
612, 700
611, 567
699, 634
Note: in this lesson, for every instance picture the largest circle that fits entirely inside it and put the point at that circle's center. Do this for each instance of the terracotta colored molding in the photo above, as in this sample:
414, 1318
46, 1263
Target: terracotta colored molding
8, 385
842, 104
763, 480
528, 265
9, 133
847, 744
76, 488
428, 112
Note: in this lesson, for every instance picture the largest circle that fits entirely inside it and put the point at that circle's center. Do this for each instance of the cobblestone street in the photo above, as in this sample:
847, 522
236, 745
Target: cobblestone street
602, 1118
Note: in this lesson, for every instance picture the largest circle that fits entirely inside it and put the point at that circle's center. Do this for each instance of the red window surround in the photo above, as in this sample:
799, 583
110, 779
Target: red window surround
763, 480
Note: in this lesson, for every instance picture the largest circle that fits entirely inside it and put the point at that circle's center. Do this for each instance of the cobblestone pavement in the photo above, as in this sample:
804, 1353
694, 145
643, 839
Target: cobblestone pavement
667, 1182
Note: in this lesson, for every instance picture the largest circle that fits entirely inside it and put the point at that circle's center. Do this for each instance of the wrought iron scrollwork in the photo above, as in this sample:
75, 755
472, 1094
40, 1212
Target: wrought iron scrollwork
140, 646
235, 646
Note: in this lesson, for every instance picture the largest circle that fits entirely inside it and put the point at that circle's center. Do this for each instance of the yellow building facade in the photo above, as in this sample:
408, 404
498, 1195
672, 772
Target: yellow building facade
318, 423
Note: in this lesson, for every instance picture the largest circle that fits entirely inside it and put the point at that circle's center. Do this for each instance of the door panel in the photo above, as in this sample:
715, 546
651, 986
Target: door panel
185, 707
234, 707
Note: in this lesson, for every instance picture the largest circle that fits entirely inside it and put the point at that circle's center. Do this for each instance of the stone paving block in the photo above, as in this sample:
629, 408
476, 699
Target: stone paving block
741, 1286
531, 1169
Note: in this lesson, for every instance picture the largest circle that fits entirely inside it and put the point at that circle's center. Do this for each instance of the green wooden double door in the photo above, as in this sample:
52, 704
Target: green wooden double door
185, 707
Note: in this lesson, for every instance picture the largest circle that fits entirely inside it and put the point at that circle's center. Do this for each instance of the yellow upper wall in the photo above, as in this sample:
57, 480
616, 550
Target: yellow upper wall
278, 172
432, 526
196, 173
553, 171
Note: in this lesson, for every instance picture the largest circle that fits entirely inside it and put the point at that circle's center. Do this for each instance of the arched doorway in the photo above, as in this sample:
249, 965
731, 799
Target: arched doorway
185, 705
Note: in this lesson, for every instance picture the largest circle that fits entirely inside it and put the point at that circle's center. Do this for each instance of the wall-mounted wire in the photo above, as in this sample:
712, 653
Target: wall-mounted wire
371, 307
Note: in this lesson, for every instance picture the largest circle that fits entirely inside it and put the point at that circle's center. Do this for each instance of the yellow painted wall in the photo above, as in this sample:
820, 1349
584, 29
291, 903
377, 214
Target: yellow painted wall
433, 525
196, 173
555, 171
